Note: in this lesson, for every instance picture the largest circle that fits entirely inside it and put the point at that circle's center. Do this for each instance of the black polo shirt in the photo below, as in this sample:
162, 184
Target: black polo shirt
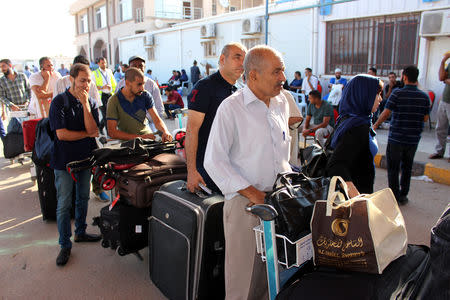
206, 97
70, 118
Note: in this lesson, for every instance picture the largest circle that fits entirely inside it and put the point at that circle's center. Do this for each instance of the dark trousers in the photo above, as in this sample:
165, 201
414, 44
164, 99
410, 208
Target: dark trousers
105, 98
169, 107
400, 157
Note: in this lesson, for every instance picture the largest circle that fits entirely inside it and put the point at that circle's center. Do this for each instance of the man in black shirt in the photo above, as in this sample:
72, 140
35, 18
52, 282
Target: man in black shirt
203, 102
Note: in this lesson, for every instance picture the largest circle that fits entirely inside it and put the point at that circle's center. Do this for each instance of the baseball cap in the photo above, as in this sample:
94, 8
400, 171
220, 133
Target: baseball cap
134, 57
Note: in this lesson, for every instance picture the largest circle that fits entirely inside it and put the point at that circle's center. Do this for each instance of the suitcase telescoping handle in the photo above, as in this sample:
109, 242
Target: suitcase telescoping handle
267, 214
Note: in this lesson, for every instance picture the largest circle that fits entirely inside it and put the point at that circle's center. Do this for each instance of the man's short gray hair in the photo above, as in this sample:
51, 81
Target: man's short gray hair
255, 58
226, 49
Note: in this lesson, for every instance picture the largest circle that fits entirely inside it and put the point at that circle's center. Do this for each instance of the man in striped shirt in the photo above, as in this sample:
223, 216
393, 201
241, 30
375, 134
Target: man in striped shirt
410, 108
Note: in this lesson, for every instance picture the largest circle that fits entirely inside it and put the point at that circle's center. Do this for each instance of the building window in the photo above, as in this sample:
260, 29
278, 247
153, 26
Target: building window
168, 9
83, 24
139, 15
100, 17
388, 43
125, 10
209, 48
150, 53
214, 7
250, 43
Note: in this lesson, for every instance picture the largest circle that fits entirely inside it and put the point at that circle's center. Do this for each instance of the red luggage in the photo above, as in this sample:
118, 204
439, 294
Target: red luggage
29, 134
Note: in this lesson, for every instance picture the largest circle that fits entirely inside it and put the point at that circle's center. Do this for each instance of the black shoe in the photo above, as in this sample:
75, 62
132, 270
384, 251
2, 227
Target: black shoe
402, 200
63, 256
86, 237
435, 156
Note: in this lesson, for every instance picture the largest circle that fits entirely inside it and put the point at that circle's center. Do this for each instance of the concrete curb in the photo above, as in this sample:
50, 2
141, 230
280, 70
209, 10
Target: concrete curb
439, 175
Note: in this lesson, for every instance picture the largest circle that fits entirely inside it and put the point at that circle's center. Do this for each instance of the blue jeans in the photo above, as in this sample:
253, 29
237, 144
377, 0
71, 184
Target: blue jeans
400, 156
64, 189
168, 107
2, 129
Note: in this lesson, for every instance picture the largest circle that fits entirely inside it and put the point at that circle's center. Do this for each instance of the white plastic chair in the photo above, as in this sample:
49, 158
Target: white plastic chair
300, 101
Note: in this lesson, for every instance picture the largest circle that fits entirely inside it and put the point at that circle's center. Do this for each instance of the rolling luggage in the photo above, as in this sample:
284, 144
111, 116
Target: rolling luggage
47, 193
13, 145
138, 183
402, 279
186, 243
124, 227
29, 134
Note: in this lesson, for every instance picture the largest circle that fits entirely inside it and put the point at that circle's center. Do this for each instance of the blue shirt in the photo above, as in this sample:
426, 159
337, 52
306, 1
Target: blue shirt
297, 82
409, 106
63, 72
70, 118
341, 80
206, 97
118, 76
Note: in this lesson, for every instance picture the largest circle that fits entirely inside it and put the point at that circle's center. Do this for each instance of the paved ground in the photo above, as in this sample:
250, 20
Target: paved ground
28, 245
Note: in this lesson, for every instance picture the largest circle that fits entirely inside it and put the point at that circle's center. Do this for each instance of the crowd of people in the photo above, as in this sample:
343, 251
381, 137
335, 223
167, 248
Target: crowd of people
237, 140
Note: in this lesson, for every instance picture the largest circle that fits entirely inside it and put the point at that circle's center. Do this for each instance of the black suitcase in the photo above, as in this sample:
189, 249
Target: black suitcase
13, 145
401, 280
124, 227
45, 177
186, 243
138, 183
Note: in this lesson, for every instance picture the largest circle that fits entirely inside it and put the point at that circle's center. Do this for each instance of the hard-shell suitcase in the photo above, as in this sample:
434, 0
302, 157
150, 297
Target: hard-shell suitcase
186, 243
29, 134
45, 177
401, 280
13, 145
123, 227
138, 183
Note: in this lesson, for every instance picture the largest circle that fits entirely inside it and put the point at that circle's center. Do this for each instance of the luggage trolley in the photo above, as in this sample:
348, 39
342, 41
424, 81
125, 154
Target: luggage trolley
279, 267
22, 115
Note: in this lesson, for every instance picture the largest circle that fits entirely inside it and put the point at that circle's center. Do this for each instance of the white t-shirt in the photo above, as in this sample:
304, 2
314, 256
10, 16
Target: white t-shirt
38, 80
305, 86
64, 82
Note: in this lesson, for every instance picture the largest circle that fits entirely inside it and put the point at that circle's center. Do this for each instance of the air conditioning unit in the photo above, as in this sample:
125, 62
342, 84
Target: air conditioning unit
435, 23
149, 40
208, 31
251, 26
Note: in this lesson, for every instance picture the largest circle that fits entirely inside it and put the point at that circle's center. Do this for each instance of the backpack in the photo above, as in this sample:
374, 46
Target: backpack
45, 139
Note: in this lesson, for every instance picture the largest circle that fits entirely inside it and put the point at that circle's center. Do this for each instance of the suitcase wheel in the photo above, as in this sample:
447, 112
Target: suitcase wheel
105, 244
108, 183
120, 251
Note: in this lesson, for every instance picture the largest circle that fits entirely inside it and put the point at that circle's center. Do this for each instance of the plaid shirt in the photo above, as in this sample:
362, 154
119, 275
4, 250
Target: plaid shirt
17, 91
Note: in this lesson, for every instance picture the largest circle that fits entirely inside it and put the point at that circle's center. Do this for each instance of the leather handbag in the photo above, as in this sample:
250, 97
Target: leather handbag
364, 234
293, 197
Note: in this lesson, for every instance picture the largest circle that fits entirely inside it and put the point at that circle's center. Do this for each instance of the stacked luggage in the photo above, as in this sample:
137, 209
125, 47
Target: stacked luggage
124, 224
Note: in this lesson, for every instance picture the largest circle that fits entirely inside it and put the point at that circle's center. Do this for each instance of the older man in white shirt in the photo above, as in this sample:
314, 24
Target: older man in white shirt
64, 82
248, 146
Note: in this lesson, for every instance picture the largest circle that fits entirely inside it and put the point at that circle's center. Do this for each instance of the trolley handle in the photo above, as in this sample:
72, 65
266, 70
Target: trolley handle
265, 212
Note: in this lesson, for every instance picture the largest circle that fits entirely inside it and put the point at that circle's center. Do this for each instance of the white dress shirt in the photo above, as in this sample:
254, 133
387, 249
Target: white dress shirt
249, 143
64, 83
305, 86
151, 87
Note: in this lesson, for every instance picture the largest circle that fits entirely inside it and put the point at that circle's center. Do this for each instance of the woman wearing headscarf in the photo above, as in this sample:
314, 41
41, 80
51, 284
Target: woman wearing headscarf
183, 77
354, 140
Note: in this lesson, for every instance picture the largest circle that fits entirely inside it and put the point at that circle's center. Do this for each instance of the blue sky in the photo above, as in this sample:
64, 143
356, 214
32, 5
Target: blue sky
35, 28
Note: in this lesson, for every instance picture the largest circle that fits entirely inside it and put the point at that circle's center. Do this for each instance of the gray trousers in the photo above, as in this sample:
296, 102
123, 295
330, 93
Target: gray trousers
443, 117
245, 272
